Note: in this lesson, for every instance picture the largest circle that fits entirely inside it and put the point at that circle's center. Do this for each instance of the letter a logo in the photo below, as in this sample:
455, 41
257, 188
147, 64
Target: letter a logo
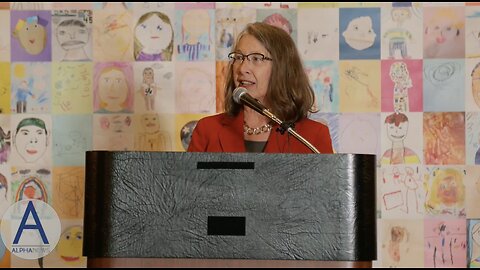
37, 226
30, 229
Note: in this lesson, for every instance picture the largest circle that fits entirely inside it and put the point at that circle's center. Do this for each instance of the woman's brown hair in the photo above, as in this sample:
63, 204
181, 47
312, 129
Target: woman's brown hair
289, 96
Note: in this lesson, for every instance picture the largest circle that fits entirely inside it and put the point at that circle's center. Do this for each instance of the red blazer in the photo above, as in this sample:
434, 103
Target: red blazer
224, 133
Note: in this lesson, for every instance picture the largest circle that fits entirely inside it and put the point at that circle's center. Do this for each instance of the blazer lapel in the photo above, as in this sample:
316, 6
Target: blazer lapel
276, 141
231, 135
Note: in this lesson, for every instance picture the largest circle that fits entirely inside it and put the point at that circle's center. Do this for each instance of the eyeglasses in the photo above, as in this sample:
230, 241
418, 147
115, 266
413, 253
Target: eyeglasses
254, 58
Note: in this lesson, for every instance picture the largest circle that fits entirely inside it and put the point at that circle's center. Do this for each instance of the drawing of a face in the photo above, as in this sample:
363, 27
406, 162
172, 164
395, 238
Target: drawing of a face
70, 244
31, 139
476, 85
148, 75
151, 123
154, 34
447, 190
397, 133
400, 15
31, 35
113, 89
119, 124
359, 33
72, 34
444, 34
442, 31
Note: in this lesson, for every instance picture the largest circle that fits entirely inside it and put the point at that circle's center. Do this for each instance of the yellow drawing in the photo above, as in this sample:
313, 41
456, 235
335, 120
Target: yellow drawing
151, 136
359, 86
113, 35
72, 88
446, 194
5, 88
69, 246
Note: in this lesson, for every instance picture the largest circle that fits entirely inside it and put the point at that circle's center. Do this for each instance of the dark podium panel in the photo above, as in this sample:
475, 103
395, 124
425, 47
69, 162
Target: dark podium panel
173, 205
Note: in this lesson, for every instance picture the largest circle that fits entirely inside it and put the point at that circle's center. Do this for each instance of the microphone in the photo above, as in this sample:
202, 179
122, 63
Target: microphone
241, 96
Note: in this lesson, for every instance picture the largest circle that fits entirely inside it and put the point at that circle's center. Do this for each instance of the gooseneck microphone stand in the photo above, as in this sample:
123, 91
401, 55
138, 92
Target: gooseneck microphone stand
289, 128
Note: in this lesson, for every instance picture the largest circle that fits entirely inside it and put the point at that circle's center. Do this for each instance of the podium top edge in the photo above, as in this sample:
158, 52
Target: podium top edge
223, 153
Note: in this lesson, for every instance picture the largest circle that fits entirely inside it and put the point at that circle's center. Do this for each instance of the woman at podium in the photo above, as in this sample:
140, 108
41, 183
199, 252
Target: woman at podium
265, 73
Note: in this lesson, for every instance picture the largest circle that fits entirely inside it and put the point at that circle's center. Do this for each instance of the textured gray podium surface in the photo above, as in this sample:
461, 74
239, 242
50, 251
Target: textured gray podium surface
289, 206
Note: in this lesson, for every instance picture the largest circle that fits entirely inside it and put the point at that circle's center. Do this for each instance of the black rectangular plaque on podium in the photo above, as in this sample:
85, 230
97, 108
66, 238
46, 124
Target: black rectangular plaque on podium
230, 206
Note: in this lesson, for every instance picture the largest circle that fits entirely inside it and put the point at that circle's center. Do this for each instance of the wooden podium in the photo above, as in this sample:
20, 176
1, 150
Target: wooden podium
177, 209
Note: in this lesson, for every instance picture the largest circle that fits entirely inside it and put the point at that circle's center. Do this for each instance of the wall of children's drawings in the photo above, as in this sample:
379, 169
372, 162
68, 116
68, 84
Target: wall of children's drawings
398, 80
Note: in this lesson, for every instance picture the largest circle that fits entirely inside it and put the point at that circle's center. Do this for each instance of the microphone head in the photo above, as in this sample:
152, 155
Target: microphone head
238, 93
